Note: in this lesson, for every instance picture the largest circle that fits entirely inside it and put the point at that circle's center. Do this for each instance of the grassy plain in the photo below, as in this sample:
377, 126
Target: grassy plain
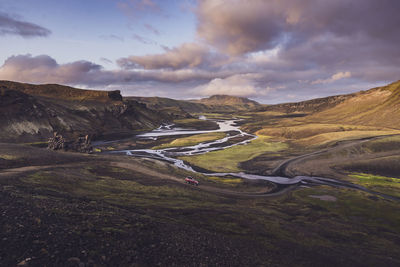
196, 124
228, 160
192, 140
377, 183
101, 214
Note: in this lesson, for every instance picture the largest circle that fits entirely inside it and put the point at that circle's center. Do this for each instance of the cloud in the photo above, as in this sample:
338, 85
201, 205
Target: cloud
143, 40
12, 26
333, 78
188, 55
106, 60
243, 26
44, 69
138, 8
237, 85
238, 26
267, 49
112, 37
151, 29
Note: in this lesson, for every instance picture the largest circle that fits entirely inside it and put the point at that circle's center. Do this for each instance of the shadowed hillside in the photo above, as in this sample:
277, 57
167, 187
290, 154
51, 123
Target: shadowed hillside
34, 112
217, 103
171, 106
61, 91
239, 103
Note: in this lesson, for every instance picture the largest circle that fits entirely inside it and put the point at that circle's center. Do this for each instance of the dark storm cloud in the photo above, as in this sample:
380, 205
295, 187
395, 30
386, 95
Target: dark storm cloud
275, 50
317, 42
10, 25
247, 26
238, 26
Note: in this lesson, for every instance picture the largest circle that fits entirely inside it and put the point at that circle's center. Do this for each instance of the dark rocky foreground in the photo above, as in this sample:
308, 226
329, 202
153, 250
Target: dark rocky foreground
72, 209
40, 231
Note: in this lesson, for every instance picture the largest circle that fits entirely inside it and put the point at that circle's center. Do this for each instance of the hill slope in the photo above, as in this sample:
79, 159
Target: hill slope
218, 103
170, 106
308, 106
61, 91
239, 103
375, 107
34, 112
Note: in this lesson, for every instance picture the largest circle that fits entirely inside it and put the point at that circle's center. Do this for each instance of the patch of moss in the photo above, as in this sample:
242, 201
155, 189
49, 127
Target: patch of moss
192, 140
8, 157
229, 181
228, 160
382, 184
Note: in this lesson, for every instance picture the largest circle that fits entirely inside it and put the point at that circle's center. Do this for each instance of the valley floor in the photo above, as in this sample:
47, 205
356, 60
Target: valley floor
65, 209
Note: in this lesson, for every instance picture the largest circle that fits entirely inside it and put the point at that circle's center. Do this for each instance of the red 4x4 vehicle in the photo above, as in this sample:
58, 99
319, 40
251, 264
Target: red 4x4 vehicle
191, 180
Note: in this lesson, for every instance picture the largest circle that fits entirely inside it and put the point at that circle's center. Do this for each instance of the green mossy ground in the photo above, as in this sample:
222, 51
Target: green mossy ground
228, 160
196, 124
83, 206
192, 140
382, 184
93, 205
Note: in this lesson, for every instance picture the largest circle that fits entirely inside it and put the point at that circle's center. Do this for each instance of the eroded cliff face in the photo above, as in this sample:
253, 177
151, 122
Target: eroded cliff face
28, 117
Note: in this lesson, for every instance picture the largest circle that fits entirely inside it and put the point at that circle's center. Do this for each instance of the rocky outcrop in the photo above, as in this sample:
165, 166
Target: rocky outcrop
63, 92
81, 144
57, 142
29, 116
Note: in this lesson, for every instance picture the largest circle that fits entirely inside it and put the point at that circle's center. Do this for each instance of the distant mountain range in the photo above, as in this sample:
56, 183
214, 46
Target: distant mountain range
239, 103
33, 112
216, 103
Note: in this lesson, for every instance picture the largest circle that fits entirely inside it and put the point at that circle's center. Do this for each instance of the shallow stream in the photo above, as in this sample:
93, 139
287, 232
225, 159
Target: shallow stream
171, 154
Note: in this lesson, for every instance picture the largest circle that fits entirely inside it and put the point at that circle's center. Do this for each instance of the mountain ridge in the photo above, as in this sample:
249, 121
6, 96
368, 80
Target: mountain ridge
223, 104
228, 100
34, 112
62, 91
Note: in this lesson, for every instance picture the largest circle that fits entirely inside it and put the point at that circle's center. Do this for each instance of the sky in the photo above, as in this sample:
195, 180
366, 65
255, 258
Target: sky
272, 51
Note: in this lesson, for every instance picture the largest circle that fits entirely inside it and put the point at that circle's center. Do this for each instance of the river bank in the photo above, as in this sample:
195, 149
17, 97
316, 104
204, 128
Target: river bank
174, 155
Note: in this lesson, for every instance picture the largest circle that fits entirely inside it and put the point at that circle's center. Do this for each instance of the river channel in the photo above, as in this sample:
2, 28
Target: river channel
171, 154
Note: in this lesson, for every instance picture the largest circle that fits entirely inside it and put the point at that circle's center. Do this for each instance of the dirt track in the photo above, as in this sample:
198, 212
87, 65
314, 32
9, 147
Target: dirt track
136, 167
294, 166
261, 193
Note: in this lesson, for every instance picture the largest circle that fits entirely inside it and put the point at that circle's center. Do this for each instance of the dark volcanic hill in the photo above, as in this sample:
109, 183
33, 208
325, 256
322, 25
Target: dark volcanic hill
33, 112
62, 91
170, 106
239, 103
217, 103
